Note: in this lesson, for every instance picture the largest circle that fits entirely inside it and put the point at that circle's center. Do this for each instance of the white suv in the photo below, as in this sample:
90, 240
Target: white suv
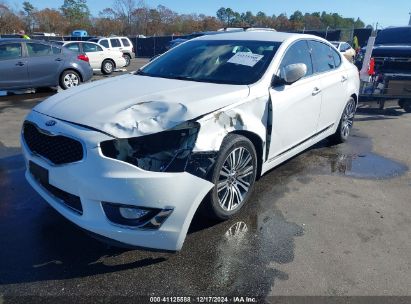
122, 44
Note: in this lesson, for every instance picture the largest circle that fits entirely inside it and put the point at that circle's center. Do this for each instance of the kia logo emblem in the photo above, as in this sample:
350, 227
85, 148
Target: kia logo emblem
50, 123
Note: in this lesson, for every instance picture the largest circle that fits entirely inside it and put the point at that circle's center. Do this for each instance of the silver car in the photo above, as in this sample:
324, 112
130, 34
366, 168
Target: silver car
36, 64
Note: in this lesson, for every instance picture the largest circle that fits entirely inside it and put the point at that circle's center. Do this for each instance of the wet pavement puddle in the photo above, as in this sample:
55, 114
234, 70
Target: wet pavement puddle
352, 159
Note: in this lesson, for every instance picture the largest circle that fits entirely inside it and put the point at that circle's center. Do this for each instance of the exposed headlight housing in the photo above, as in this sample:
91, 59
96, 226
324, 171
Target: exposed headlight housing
166, 151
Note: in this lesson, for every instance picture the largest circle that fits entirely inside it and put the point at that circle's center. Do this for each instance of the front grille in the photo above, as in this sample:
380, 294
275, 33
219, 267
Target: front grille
56, 148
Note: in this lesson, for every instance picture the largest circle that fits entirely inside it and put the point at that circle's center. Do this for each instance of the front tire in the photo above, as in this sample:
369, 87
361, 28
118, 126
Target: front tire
346, 123
233, 177
107, 67
69, 79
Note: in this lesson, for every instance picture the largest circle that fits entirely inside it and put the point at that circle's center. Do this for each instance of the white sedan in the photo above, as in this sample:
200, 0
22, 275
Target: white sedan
131, 158
101, 59
345, 49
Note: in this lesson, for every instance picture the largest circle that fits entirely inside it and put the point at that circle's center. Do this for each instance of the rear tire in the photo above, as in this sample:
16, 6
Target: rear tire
107, 67
69, 79
345, 124
127, 57
233, 177
405, 104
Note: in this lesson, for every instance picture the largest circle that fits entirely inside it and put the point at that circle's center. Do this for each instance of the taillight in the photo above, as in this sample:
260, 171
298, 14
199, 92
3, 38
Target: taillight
371, 67
132, 49
83, 57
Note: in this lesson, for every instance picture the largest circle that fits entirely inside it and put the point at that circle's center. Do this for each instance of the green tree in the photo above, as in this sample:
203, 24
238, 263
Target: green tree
28, 13
76, 12
226, 15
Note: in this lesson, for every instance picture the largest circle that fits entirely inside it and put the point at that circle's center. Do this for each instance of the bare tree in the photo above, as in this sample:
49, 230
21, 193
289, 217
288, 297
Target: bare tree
124, 11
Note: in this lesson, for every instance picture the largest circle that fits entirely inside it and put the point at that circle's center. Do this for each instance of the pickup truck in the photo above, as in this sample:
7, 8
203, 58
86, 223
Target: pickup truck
388, 70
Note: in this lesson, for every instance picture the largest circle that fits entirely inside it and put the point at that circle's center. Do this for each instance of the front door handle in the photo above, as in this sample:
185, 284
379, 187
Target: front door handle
316, 91
344, 78
59, 59
20, 63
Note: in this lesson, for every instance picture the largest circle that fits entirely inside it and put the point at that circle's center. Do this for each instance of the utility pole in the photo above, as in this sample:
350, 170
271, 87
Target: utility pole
409, 22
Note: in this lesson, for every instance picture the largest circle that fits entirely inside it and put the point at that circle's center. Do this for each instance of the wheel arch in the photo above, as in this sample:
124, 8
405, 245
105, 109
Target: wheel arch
258, 145
355, 97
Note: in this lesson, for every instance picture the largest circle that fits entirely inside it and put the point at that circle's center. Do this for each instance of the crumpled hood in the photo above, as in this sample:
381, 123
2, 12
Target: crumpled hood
134, 105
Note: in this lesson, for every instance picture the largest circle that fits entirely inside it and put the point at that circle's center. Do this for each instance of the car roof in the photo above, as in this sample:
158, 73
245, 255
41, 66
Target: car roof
73, 41
23, 40
111, 37
259, 35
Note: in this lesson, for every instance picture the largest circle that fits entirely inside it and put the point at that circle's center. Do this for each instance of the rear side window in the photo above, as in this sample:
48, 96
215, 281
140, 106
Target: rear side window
74, 47
38, 49
90, 47
10, 51
298, 53
125, 42
115, 43
325, 58
104, 43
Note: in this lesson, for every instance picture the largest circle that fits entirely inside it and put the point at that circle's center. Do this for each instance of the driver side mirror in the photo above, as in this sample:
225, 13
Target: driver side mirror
290, 74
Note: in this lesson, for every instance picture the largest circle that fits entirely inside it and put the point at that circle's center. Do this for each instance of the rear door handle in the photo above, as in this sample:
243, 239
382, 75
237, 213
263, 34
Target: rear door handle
20, 63
316, 91
59, 59
344, 78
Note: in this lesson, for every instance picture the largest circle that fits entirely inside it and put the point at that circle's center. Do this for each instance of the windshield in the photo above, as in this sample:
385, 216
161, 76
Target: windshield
400, 35
216, 61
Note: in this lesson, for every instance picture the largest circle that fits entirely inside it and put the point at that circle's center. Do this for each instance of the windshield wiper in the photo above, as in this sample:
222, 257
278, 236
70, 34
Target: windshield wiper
140, 72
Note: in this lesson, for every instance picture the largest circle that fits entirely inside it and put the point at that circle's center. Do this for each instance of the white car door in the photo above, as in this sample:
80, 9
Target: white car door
295, 107
333, 81
95, 54
115, 44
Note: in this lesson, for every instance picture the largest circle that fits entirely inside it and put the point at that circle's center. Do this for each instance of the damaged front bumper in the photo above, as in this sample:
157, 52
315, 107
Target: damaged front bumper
97, 181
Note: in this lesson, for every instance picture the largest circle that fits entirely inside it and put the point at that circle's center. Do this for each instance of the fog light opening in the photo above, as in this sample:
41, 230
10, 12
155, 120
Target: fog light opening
135, 217
132, 213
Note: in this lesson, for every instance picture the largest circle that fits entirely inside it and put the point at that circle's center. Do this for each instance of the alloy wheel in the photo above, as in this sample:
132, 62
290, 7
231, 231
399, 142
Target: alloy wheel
108, 66
348, 118
71, 80
235, 178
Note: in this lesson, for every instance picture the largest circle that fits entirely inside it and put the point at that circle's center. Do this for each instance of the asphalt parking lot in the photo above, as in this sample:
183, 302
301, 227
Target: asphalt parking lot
334, 220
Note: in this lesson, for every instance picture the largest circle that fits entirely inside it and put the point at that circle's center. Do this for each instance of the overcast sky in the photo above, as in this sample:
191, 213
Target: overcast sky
387, 13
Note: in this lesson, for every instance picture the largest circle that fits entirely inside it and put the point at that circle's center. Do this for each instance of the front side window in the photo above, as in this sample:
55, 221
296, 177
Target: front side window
325, 58
345, 47
10, 51
56, 50
115, 43
215, 61
298, 53
104, 43
38, 49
